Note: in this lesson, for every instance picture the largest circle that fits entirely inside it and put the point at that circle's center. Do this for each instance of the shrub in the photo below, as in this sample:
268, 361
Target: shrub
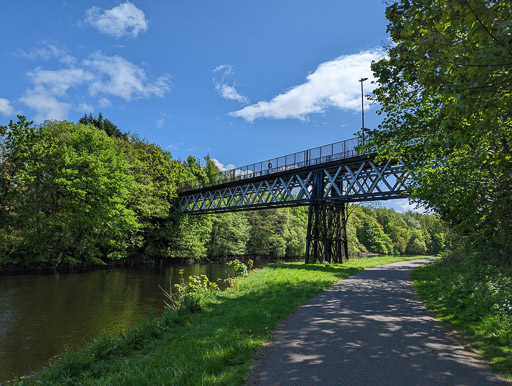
185, 297
236, 268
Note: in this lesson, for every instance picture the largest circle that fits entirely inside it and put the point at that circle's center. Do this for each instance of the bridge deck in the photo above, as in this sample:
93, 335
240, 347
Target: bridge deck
346, 176
342, 150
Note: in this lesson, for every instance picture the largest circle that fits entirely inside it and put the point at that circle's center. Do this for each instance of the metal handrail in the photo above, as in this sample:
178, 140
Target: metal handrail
317, 155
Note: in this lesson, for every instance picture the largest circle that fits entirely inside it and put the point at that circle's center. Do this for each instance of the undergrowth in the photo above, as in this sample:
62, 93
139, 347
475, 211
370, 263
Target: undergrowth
474, 298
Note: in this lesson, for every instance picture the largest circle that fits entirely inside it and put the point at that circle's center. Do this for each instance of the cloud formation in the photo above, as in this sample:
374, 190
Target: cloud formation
334, 84
221, 166
103, 76
225, 89
6, 107
123, 20
404, 205
117, 76
47, 51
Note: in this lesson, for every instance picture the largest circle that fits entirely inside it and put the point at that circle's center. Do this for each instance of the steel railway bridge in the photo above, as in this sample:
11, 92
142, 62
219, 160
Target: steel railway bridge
325, 178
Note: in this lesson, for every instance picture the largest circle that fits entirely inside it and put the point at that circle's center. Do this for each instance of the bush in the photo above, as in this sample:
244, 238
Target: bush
185, 297
236, 268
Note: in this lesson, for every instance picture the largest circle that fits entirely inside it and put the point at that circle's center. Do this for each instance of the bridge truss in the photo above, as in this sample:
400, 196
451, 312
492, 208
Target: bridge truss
326, 187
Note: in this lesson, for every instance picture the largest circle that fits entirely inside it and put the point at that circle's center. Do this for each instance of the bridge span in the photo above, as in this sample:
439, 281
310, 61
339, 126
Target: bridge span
325, 178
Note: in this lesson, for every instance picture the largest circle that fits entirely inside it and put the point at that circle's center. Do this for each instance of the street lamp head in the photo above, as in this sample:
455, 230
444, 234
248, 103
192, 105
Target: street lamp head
363, 79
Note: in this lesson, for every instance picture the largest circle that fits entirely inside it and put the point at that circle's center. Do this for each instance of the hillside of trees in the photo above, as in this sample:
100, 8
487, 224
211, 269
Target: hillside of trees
74, 194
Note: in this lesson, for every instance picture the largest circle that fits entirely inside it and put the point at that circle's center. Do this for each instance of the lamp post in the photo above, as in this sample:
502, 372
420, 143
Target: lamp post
362, 106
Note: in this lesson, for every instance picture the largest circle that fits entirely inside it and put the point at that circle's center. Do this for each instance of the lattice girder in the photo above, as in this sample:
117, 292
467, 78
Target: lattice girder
361, 180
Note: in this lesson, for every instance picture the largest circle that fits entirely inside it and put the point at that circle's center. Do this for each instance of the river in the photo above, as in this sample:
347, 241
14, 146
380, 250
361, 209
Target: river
42, 315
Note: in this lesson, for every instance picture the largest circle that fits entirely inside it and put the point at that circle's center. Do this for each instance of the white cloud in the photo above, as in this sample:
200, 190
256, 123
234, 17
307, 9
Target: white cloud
46, 105
47, 51
104, 102
103, 76
118, 77
159, 123
47, 86
225, 89
123, 20
6, 107
229, 92
85, 108
334, 84
404, 205
221, 166
226, 68
58, 82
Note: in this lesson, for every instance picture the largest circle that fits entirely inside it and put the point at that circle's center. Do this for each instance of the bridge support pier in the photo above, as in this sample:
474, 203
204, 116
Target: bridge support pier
326, 238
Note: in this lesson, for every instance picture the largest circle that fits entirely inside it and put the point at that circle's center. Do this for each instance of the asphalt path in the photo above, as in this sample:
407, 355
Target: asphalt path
368, 329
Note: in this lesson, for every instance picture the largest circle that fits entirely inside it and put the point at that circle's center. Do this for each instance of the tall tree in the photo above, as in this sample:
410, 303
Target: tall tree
103, 124
445, 91
71, 205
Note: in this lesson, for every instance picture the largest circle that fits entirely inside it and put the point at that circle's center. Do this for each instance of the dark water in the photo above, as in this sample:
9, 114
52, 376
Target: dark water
42, 315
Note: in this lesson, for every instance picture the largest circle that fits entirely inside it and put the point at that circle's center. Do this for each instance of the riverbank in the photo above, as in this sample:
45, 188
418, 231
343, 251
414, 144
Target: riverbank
84, 267
214, 345
474, 301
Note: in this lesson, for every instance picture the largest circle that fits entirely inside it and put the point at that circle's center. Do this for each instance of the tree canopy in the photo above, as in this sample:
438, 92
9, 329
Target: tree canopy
72, 194
445, 95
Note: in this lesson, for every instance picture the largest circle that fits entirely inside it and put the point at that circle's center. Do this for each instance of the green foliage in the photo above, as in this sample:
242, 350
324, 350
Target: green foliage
474, 298
416, 244
102, 124
71, 194
186, 297
445, 95
277, 233
397, 229
229, 235
236, 269
373, 237
70, 199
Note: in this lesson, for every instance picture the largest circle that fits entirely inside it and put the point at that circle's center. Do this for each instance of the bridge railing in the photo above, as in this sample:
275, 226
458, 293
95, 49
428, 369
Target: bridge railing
318, 155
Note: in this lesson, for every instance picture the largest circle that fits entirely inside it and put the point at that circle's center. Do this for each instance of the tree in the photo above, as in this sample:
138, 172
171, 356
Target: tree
152, 197
395, 227
416, 244
229, 236
373, 237
71, 204
103, 124
445, 93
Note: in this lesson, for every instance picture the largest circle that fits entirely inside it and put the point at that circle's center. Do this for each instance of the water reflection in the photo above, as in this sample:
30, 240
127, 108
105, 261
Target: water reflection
41, 315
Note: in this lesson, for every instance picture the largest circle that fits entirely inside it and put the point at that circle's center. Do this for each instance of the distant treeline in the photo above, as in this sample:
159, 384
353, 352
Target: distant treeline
88, 194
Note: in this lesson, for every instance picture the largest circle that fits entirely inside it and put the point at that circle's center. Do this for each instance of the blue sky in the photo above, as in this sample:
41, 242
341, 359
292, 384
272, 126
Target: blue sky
243, 81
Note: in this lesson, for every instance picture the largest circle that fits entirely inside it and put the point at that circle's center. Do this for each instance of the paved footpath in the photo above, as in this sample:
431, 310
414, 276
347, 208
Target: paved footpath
368, 329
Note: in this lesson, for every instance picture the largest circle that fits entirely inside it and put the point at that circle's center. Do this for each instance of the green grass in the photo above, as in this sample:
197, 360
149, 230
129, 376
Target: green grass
473, 300
213, 346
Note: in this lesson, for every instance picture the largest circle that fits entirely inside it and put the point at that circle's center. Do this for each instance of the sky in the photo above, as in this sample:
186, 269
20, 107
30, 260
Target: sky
243, 81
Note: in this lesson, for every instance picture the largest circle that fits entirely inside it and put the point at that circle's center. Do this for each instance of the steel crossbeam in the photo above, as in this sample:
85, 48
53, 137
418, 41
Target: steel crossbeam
344, 181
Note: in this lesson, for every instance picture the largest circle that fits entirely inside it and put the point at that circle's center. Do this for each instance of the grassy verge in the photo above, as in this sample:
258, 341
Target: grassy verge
473, 300
212, 346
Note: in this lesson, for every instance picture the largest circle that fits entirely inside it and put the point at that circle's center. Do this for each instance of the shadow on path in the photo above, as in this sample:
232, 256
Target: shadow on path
369, 329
